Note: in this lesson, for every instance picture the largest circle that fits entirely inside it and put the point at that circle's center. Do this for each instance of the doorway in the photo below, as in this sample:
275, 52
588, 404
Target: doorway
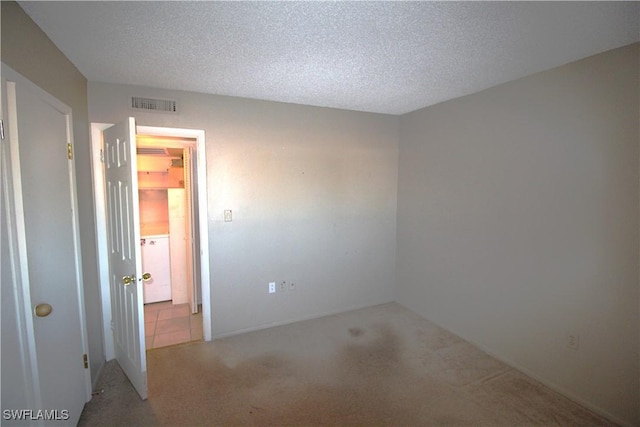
192, 142
166, 193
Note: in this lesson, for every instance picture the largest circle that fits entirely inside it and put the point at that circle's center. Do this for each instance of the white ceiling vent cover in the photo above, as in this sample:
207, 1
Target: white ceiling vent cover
153, 104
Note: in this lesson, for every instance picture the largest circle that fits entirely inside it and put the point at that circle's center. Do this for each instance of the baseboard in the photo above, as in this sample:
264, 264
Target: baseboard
560, 390
302, 319
94, 383
544, 381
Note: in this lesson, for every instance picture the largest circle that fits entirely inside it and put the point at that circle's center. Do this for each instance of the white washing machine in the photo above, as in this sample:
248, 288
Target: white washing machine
155, 260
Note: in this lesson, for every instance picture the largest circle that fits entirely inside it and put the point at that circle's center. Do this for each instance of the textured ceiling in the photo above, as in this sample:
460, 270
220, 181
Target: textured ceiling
386, 57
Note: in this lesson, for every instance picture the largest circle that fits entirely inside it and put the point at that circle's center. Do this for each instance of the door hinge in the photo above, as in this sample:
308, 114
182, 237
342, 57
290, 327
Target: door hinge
1, 129
70, 151
85, 359
101, 155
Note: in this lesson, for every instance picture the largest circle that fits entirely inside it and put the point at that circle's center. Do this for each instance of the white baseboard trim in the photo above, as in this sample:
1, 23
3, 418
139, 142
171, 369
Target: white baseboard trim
302, 319
94, 383
544, 381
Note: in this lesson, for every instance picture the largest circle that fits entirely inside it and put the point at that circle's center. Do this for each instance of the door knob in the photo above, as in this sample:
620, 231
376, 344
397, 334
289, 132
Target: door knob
127, 280
146, 277
43, 310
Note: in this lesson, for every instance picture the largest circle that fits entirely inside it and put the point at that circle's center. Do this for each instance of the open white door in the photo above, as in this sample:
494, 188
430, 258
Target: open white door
125, 261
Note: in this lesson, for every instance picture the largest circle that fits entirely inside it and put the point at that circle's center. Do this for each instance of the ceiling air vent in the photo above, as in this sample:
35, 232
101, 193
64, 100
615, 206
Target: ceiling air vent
152, 104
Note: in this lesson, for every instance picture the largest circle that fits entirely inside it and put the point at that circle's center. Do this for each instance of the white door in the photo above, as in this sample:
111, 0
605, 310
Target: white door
43, 253
125, 266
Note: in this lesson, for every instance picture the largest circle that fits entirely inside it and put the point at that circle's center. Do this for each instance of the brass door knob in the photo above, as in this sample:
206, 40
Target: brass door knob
146, 277
127, 280
43, 310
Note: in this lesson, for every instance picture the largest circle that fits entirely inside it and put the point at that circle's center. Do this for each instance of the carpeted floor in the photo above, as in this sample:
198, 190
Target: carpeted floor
382, 365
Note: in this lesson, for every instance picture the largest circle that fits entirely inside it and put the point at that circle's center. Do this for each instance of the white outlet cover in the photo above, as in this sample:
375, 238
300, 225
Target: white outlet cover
228, 216
272, 287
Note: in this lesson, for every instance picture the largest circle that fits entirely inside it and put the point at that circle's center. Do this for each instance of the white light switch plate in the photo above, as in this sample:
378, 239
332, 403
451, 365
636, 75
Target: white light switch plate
228, 216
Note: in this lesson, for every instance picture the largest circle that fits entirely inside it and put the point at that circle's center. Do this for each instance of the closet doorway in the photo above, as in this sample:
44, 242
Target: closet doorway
172, 141
166, 194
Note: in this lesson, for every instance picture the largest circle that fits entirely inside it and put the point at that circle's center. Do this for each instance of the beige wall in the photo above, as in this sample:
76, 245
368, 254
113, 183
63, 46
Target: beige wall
518, 224
154, 208
313, 195
27, 50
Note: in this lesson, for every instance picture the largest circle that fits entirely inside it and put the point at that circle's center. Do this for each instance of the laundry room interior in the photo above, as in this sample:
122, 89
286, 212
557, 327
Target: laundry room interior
167, 231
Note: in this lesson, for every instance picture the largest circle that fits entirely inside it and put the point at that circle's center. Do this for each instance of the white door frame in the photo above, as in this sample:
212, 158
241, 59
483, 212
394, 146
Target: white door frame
100, 215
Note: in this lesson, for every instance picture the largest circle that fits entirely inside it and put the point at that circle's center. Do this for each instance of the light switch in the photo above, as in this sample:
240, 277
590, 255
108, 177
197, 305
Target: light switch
227, 215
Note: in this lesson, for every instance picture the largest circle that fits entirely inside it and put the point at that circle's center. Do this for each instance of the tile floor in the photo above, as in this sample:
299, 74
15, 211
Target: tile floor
166, 324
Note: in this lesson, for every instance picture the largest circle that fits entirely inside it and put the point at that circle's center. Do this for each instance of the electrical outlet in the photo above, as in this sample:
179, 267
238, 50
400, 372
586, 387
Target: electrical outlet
283, 286
228, 215
292, 286
272, 287
573, 341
